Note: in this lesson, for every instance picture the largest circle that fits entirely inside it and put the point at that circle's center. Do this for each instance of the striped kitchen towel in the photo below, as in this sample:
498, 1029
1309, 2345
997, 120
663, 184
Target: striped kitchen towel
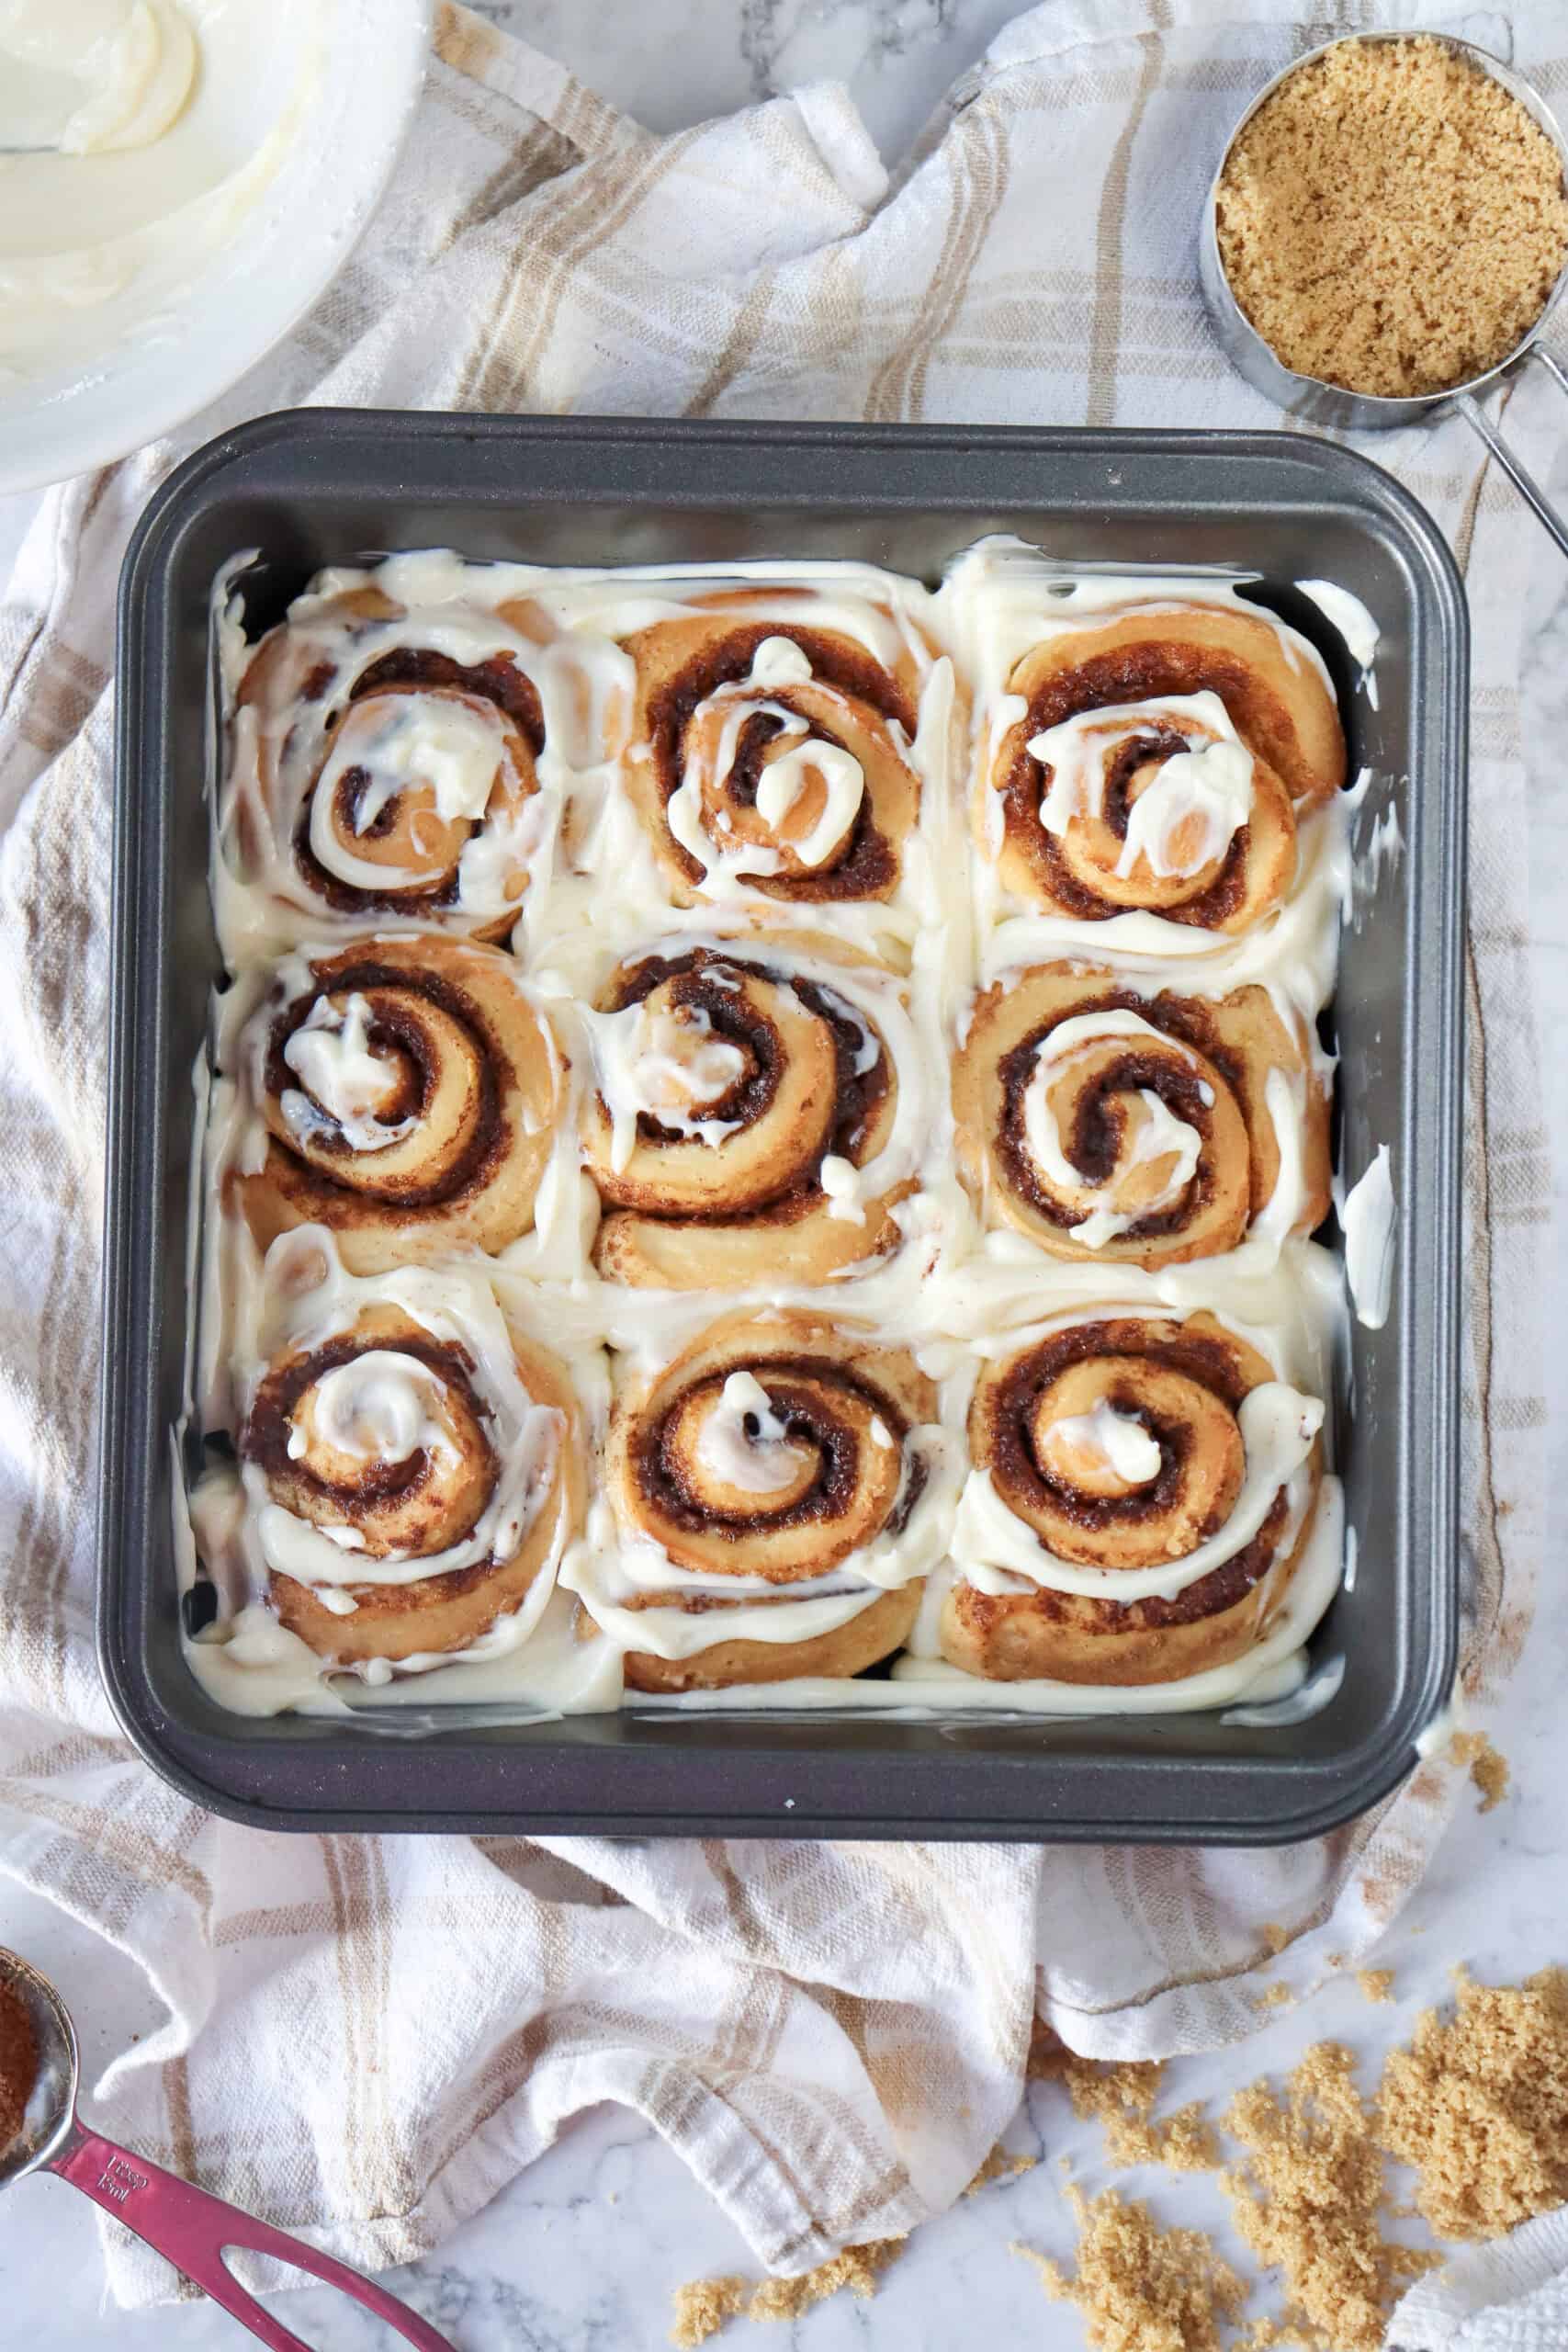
831, 2036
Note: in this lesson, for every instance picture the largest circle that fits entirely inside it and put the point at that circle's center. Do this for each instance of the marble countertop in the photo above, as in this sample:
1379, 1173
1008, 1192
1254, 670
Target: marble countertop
585, 2251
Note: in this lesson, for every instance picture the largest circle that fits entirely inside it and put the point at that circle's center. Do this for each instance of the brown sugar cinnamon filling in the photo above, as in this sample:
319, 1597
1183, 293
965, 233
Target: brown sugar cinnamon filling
1205, 1063
451, 1151
696, 676
1276, 706
404, 1040
703, 981
413, 671
1142, 1497
803, 1394
1096, 1142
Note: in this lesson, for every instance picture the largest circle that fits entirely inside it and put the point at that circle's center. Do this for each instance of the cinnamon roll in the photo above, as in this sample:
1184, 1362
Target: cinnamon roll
1141, 1490
402, 1093
775, 1495
411, 1462
1109, 1124
1161, 760
771, 743
383, 766
756, 1117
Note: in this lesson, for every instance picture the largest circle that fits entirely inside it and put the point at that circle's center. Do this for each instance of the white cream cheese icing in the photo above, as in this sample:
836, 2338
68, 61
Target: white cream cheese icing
90, 76
1198, 799
669, 1062
1369, 1216
171, 117
330, 1054
1158, 1137
1106, 1440
744, 1443
950, 1293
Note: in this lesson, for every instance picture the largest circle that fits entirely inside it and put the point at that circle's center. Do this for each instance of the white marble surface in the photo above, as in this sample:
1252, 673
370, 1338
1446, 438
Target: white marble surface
582, 2254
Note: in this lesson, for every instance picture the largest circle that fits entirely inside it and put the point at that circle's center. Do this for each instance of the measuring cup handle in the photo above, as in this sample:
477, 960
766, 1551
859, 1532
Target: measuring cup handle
1529, 490
192, 2229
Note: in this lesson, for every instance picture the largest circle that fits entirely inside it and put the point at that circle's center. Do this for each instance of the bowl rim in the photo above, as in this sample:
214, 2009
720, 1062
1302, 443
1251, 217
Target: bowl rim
66, 432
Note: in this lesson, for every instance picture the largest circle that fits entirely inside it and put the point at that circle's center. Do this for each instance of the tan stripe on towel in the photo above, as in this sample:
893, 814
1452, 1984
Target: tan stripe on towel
1105, 323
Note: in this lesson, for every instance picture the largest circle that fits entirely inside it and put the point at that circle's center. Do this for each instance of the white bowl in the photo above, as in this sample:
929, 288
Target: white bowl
357, 99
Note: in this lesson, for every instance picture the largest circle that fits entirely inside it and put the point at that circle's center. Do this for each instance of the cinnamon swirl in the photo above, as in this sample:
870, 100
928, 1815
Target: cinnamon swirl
401, 1092
773, 743
1158, 760
757, 1113
1106, 1124
1142, 1487
775, 1495
411, 1462
384, 767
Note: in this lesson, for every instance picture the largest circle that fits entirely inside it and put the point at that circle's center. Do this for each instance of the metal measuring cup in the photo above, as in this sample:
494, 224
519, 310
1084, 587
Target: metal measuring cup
187, 2226
1331, 405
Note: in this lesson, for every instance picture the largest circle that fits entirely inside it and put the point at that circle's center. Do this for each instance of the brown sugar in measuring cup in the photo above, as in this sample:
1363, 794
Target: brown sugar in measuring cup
18, 2063
1387, 234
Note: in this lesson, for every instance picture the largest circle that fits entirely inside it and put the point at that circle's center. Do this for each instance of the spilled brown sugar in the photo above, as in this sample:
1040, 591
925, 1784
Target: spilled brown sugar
1392, 220
1139, 2288
1377, 1984
1000, 2166
1120, 2099
1479, 2104
1306, 2199
1487, 1768
1273, 1996
705, 2306
18, 2063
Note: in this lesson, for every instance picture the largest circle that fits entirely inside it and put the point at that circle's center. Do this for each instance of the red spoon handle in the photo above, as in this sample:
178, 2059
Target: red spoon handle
191, 2230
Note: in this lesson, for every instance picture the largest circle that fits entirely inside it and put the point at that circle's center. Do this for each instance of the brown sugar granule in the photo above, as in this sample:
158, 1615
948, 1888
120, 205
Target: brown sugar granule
858, 2268
1488, 1769
704, 2307
1479, 2104
1306, 2200
1139, 2288
1275, 1938
1277, 1996
1187, 2143
1392, 220
1377, 1984
1120, 2099
1000, 2166
18, 2063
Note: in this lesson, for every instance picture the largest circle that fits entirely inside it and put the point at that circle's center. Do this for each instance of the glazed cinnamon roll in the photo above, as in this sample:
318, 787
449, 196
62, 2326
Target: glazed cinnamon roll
383, 767
402, 1092
1141, 1491
771, 744
1160, 762
775, 1495
755, 1116
1108, 1125
411, 1462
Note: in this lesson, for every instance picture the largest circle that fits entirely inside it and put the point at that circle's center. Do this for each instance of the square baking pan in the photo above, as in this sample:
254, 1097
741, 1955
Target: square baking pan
315, 487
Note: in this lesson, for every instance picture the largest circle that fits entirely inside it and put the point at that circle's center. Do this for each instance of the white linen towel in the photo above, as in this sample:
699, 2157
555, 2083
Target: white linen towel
1510, 2297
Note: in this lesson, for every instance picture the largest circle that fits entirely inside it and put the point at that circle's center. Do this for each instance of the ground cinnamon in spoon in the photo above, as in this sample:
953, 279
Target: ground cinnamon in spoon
18, 2063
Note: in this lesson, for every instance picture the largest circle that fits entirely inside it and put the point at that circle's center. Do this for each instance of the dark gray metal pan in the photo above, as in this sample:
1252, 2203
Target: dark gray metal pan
317, 486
